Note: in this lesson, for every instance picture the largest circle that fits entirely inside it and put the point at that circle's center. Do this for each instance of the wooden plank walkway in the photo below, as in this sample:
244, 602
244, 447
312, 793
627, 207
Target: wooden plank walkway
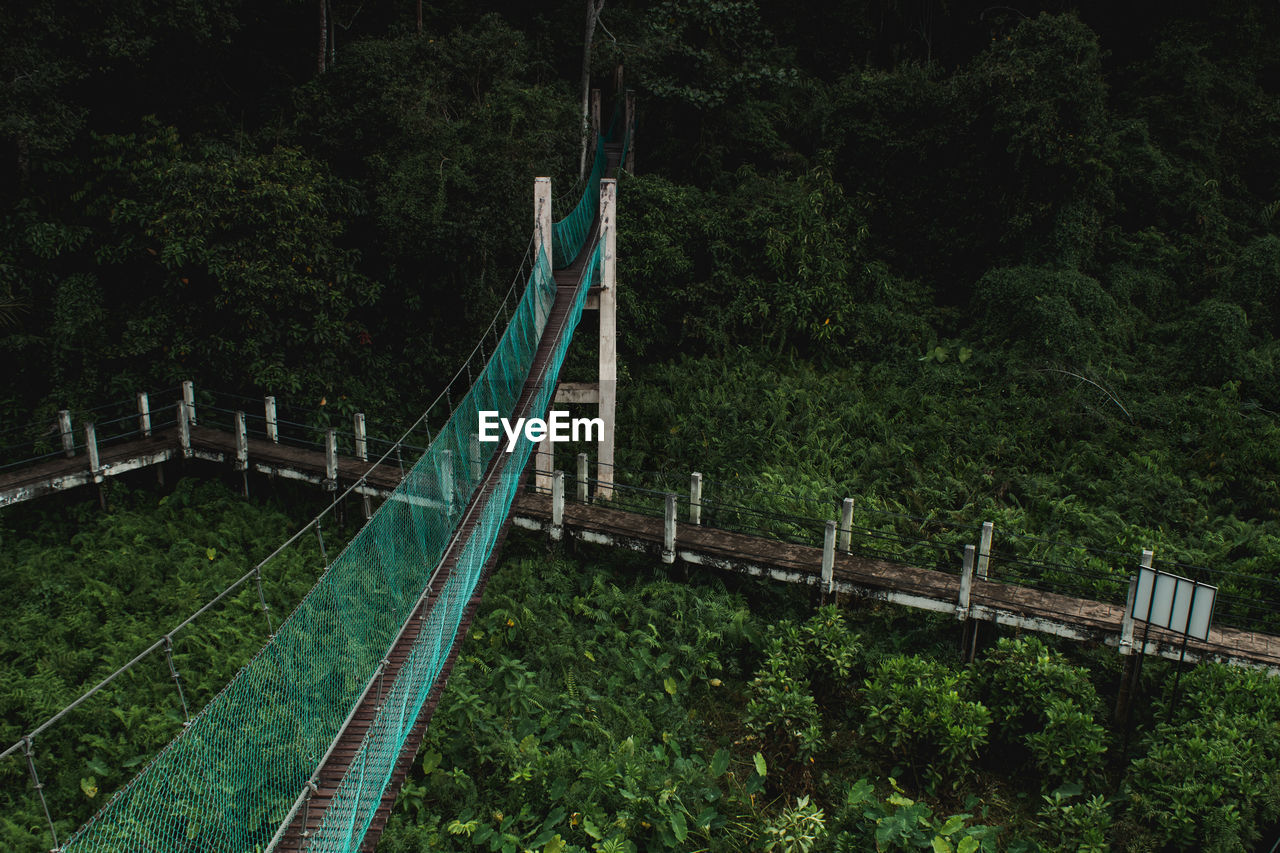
882, 580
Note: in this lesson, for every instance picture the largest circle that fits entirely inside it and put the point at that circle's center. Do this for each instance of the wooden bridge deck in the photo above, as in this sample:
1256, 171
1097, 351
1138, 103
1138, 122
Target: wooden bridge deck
926, 589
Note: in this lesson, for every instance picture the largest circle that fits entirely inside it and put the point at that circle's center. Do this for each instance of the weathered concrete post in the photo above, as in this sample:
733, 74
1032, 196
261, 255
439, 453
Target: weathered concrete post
473, 449
828, 559
984, 549
669, 529
91, 445
362, 453
184, 429
242, 450
330, 460
557, 506
189, 400
144, 415
1131, 669
68, 439
582, 478
695, 498
608, 336
242, 442
446, 480
846, 525
963, 603
542, 231
273, 426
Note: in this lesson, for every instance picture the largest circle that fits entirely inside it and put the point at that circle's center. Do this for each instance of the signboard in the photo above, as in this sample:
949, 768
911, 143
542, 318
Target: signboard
1173, 602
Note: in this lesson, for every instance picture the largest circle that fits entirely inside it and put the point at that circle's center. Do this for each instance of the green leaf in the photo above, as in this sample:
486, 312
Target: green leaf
965, 354
761, 767
942, 845
860, 792
211, 552
555, 845
720, 762
678, 826
953, 825
590, 828
669, 684
90, 787
968, 844
430, 761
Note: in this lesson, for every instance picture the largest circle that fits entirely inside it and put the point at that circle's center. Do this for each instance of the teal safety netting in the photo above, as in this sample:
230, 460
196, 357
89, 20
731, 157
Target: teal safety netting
230, 778
570, 233
358, 797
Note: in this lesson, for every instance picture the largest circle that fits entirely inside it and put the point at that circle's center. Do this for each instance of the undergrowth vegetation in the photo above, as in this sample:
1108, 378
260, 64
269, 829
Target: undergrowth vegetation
614, 708
88, 590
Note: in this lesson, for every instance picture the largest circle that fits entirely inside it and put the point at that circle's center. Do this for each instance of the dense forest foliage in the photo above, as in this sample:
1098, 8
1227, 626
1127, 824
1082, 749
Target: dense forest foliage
1002, 263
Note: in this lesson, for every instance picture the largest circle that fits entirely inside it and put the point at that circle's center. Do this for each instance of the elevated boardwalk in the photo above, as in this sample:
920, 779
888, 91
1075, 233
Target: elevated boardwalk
882, 580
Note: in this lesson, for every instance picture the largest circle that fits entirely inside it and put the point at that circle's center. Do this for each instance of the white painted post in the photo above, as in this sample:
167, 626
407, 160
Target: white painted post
966, 584
1126, 625
544, 461
846, 525
557, 505
91, 444
608, 336
362, 442
184, 429
68, 440
984, 550
362, 453
242, 443
829, 557
446, 479
542, 231
144, 415
473, 449
669, 530
582, 478
273, 427
330, 460
695, 498
630, 165
189, 400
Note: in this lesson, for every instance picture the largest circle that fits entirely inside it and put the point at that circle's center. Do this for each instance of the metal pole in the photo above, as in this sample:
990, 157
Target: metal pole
39, 787
173, 672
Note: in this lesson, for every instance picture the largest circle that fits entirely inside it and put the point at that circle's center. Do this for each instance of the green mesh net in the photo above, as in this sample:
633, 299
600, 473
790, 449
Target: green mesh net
229, 780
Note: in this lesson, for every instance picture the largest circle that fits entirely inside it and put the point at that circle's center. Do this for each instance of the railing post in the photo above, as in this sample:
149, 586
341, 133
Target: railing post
557, 506
189, 400
273, 427
608, 359
473, 448
184, 429
543, 462
846, 525
582, 478
695, 498
828, 558
68, 439
1126, 624
966, 584
984, 550
91, 445
362, 441
669, 529
630, 126
542, 231
242, 442
362, 453
446, 480
330, 460
144, 415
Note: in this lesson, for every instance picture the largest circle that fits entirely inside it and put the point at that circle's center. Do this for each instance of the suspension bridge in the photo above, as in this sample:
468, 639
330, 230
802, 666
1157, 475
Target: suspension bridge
306, 747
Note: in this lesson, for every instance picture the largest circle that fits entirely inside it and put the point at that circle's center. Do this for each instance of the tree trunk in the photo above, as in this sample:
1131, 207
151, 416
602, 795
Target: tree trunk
419, 17
324, 37
594, 8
